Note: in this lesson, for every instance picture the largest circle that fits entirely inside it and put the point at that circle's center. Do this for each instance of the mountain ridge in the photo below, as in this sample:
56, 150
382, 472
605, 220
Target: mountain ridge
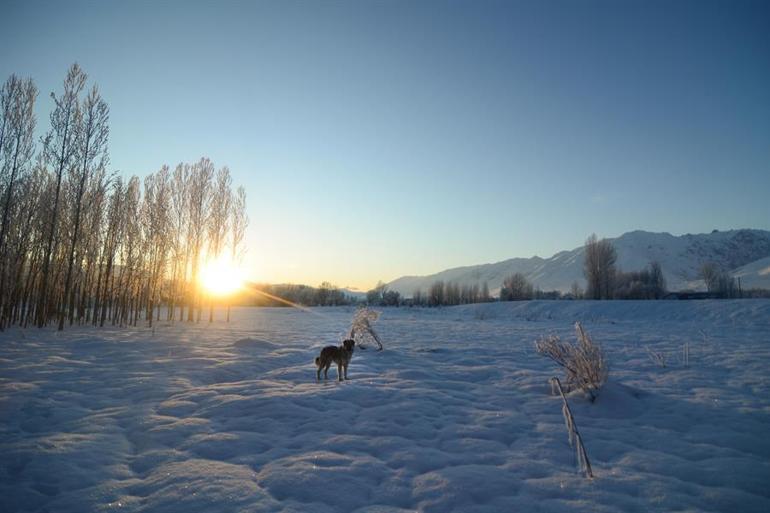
679, 255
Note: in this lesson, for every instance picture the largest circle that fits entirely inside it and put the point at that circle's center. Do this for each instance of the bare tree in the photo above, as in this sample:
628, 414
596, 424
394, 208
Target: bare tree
218, 220
16, 150
452, 293
599, 267
485, 297
238, 224
436, 293
576, 291
93, 221
156, 218
113, 236
709, 273
61, 149
718, 281
21, 245
516, 287
658, 279
92, 135
199, 206
179, 241
130, 255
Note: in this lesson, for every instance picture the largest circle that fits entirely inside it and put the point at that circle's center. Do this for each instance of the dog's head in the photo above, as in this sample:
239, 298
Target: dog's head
349, 344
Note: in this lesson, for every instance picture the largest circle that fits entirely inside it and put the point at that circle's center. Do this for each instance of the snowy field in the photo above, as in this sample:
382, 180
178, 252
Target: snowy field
455, 415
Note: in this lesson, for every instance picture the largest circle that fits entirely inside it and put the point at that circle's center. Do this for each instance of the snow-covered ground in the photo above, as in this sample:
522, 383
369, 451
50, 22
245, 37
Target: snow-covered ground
455, 415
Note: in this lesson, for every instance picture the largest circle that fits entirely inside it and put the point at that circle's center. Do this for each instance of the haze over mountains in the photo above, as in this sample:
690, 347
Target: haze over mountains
745, 253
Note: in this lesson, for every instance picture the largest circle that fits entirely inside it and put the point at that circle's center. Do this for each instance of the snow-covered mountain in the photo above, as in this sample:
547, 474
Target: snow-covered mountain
756, 274
746, 253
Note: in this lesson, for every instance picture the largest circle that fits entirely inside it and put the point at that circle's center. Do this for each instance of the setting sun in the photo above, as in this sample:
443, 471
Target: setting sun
220, 278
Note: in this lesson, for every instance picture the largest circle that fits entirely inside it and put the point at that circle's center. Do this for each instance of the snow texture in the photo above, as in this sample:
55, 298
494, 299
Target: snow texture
455, 414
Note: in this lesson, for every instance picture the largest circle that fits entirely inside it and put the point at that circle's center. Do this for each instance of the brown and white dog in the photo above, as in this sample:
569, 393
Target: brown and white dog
340, 355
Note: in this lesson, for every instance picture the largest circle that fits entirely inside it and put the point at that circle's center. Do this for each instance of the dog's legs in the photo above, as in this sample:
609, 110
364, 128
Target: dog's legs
345, 368
326, 370
318, 374
339, 372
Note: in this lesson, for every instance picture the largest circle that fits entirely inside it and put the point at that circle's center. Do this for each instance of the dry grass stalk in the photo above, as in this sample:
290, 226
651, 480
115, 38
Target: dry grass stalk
575, 440
657, 357
584, 363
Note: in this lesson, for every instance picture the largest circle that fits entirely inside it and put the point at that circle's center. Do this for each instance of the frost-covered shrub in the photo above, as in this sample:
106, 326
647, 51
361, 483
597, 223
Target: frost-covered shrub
362, 329
583, 361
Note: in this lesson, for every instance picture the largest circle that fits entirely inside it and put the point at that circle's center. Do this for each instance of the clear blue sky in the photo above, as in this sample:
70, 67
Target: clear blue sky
377, 139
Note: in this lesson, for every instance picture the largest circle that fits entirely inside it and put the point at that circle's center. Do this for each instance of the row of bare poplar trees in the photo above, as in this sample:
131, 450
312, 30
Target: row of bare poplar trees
79, 244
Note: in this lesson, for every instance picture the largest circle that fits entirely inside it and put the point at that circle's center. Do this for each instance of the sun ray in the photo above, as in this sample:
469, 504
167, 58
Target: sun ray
257, 291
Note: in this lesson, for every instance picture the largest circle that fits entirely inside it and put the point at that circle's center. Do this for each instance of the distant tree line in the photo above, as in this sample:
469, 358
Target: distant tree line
325, 294
382, 296
648, 283
82, 245
719, 282
753, 293
449, 293
440, 293
604, 280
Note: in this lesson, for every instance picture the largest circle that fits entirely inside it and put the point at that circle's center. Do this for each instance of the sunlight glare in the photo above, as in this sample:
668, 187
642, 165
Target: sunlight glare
219, 278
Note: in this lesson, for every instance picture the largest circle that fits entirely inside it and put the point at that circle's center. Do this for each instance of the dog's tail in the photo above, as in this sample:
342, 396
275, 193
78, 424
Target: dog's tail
317, 361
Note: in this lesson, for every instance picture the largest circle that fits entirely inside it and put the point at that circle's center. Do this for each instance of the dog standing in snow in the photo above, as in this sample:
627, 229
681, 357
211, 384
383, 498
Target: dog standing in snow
340, 355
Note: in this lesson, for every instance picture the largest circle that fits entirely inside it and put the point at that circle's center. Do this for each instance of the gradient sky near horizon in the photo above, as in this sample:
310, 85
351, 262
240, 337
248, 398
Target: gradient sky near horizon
377, 139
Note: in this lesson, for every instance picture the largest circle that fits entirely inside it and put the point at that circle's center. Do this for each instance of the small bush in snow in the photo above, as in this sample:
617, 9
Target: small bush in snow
362, 327
584, 363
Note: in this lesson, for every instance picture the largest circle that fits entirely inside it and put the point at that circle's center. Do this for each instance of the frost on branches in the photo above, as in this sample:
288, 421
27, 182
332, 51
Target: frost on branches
362, 329
583, 362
